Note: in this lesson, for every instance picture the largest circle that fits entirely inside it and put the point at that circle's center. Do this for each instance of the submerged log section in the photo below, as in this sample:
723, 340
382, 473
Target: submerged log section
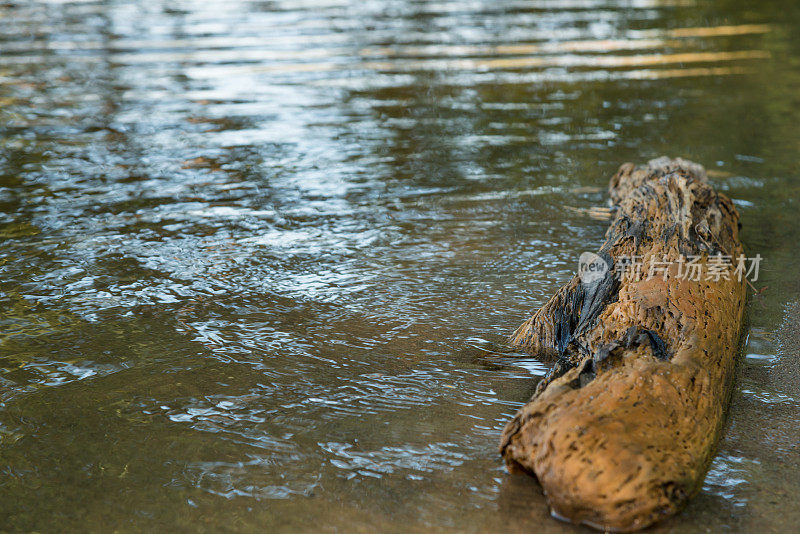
622, 430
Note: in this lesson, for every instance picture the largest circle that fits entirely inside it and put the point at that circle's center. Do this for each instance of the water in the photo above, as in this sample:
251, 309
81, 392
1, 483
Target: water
259, 257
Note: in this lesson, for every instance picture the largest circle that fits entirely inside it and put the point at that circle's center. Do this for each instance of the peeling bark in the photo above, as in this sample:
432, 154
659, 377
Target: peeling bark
621, 431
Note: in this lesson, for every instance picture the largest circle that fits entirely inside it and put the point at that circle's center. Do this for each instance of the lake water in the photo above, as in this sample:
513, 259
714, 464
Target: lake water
258, 259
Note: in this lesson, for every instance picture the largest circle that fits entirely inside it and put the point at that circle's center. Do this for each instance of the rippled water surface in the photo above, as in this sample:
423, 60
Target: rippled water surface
258, 258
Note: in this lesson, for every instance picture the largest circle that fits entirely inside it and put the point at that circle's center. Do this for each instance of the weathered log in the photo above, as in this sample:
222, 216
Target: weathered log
622, 430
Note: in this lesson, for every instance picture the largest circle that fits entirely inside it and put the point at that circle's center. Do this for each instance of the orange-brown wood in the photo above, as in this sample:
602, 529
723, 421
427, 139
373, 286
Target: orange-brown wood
621, 432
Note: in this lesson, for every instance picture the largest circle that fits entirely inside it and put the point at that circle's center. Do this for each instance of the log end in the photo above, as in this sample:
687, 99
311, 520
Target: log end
604, 454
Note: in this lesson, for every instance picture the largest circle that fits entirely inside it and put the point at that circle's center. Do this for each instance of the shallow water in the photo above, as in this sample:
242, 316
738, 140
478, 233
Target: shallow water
257, 256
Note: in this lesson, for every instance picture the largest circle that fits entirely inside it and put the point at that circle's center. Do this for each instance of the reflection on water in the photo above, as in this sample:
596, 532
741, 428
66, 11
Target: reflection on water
259, 257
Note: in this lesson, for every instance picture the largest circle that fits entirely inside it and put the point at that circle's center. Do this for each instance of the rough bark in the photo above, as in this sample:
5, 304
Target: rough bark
622, 430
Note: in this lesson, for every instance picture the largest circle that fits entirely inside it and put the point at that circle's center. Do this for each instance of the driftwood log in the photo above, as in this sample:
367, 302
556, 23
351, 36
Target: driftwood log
622, 430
